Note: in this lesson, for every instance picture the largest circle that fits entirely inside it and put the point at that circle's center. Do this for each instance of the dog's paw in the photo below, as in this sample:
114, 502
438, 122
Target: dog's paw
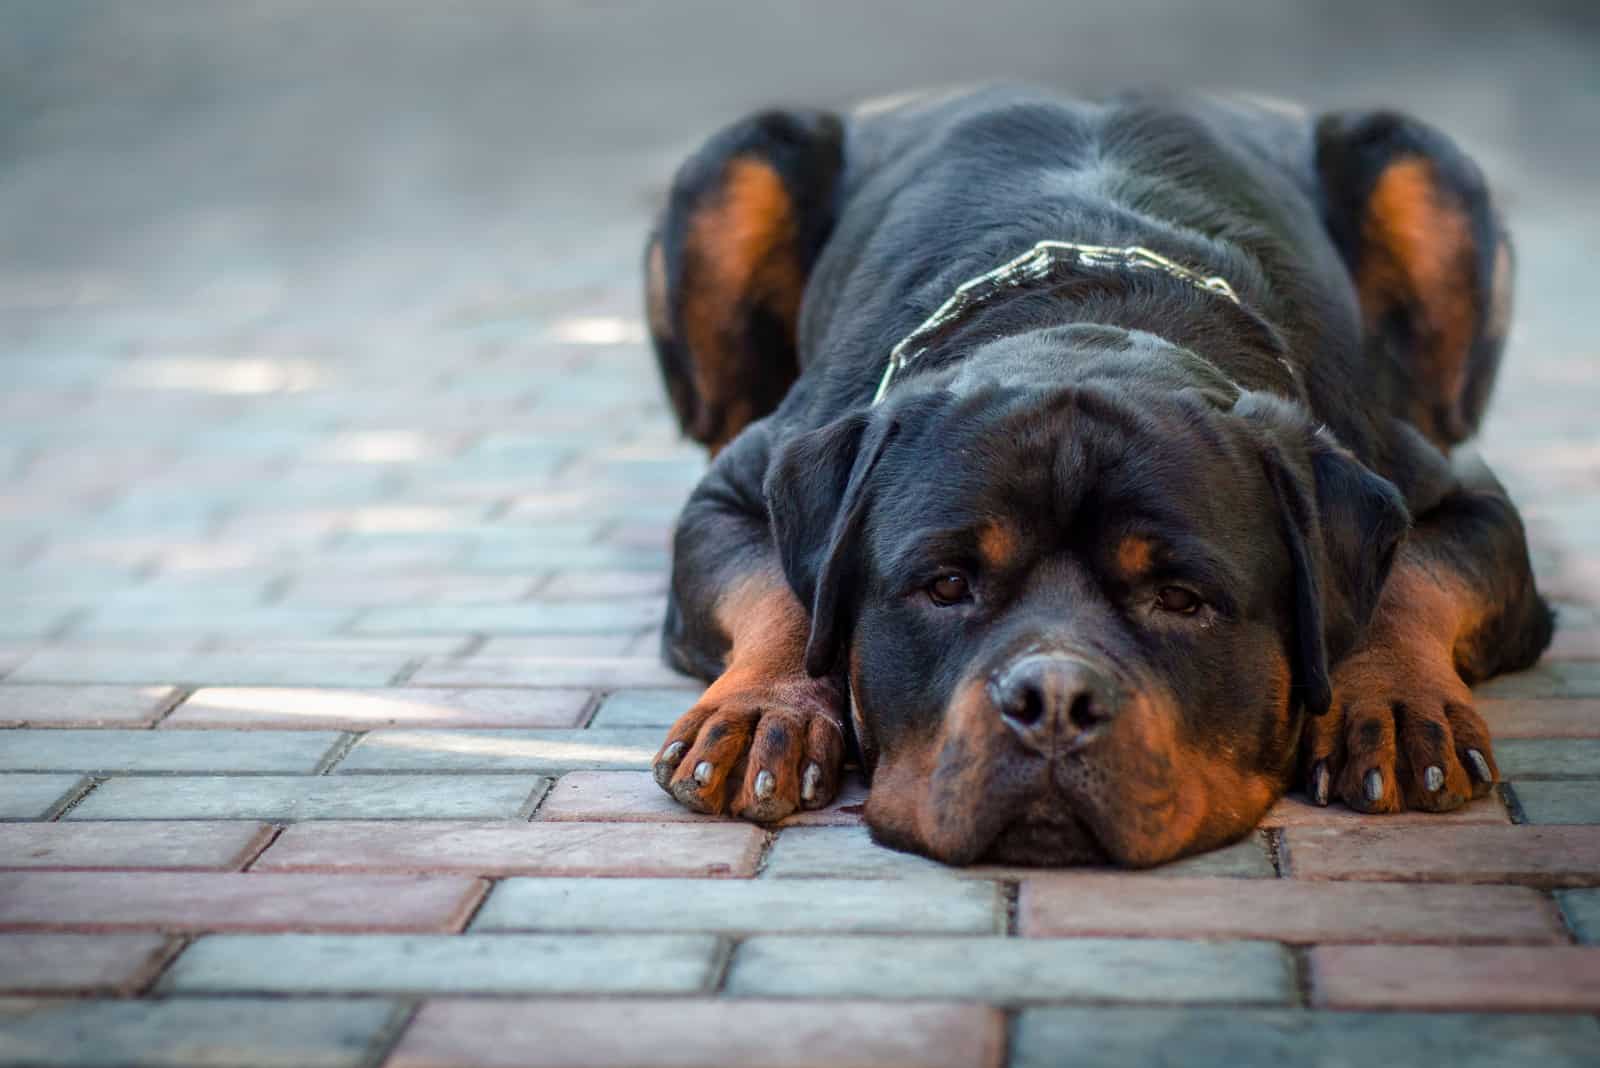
1402, 734
757, 749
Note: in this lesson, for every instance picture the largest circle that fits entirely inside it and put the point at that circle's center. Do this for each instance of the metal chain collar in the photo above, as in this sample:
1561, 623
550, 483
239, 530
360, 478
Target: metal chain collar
1033, 265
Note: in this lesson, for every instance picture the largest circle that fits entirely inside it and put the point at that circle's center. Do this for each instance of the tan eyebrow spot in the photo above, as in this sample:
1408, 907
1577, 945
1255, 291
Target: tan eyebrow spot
1134, 555
998, 543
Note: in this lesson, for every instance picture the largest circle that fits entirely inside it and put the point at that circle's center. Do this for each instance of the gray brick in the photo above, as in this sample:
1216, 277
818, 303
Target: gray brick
736, 905
517, 617
1582, 910
446, 964
311, 797
503, 750
25, 796
229, 668
1107, 1037
280, 620
111, 751
1559, 802
1548, 758
601, 673
1555, 678
83, 706
1013, 970
643, 708
190, 1032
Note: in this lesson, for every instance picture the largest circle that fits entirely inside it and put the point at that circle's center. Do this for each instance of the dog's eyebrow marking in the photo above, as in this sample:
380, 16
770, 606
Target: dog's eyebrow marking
1135, 554
998, 543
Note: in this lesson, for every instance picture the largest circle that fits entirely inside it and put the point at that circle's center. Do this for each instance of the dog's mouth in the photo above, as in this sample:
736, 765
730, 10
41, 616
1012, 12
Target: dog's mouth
1046, 843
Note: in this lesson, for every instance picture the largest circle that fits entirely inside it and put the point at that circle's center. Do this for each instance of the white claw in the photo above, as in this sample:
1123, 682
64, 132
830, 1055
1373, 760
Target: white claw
702, 772
810, 782
765, 784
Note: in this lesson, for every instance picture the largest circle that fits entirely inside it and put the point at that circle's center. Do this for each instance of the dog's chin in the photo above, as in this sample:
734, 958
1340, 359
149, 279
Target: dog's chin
1052, 844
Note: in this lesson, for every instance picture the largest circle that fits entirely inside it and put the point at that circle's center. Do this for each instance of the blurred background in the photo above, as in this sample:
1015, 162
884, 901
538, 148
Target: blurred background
313, 313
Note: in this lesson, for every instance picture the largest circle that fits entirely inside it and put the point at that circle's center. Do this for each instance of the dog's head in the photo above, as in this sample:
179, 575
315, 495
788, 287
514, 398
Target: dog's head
1080, 622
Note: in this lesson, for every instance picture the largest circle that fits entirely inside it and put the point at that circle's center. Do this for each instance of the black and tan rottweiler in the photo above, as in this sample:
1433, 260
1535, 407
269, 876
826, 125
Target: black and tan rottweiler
1084, 469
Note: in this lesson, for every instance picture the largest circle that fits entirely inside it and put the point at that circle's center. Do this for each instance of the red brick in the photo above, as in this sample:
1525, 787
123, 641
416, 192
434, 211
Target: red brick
130, 845
1535, 856
69, 963
707, 848
359, 710
1283, 911
699, 1033
1541, 717
123, 901
1449, 978
1297, 812
633, 796
83, 706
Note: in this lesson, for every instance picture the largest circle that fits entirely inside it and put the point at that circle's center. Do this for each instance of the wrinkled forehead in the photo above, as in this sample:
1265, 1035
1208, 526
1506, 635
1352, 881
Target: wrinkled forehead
1069, 463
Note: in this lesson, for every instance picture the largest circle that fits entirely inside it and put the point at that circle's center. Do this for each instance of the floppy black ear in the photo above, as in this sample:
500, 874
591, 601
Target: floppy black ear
1343, 524
816, 496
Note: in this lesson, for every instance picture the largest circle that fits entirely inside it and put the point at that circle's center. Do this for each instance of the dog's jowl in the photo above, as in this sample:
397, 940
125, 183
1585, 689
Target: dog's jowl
1085, 470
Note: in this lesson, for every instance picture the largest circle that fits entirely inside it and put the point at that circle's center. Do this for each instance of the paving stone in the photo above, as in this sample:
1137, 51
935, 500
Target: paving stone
273, 668
1058, 904
600, 673
83, 706
806, 852
447, 964
1545, 717
1582, 910
109, 751
585, 585
1482, 978
185, 901
191, 1033
113, 619
311, 797
74, 963
360, 710
1534, 856
517, 617
29, 796
1557, 678
1548, 758
1575, 643
1112, 1037
1559, 802
83, 845
1012, 970
607, 796
691, 1033
613, 644
741, 906
1296, 811
716, 849
502, 750
643, 708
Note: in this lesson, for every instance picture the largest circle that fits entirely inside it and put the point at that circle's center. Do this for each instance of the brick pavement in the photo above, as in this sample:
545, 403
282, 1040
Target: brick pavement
328, 679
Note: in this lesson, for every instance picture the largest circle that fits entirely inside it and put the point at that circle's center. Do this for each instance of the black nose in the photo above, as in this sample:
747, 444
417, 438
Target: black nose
1053, 699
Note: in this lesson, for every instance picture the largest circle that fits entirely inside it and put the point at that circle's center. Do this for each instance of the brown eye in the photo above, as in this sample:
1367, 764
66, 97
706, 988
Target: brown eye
1177, 599
949, 588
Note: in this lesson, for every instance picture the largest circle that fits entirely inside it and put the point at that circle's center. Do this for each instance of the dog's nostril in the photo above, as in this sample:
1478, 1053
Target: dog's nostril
1083, 714
1026, 706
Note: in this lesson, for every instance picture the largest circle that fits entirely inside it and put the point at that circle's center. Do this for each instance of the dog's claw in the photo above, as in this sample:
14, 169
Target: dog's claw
1372, 786
1319, 783
1480, 766
1433, 778
765, 784
702, 772
810, 782
668, 763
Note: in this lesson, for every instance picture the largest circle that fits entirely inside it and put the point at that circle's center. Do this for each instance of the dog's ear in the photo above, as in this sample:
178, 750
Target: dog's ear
1342, 524
816, 492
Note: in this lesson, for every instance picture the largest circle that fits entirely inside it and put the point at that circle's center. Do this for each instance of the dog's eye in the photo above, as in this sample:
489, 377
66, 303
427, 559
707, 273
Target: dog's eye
949, 588
1177, 599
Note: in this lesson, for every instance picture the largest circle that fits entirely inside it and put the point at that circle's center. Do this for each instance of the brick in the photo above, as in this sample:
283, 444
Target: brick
78, 963
1058, 904
360, 710
173, 901
1534, 856
1011, 969
311, 797
717, 849
582, 646
1557, 678
1559, 802
266, 1033
554, 752
742, 906
643, 708
703, 1033
600, 673
28, 796
446, 964
242, 668
1575, 643
85, 846
1547, 717
1481, 978
516, 617
1582, 911
83, 706
1295, 811
253, 620
109, 751
1548, 758
806, 852
623, 796
587, 585
1113, 1037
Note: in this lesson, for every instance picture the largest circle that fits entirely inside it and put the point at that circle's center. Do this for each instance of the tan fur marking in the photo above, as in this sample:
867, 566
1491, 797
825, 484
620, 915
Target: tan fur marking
998, 544
1134, 556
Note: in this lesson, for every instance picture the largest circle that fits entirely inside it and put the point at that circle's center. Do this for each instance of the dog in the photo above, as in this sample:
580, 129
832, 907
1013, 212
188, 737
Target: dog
1085, 470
